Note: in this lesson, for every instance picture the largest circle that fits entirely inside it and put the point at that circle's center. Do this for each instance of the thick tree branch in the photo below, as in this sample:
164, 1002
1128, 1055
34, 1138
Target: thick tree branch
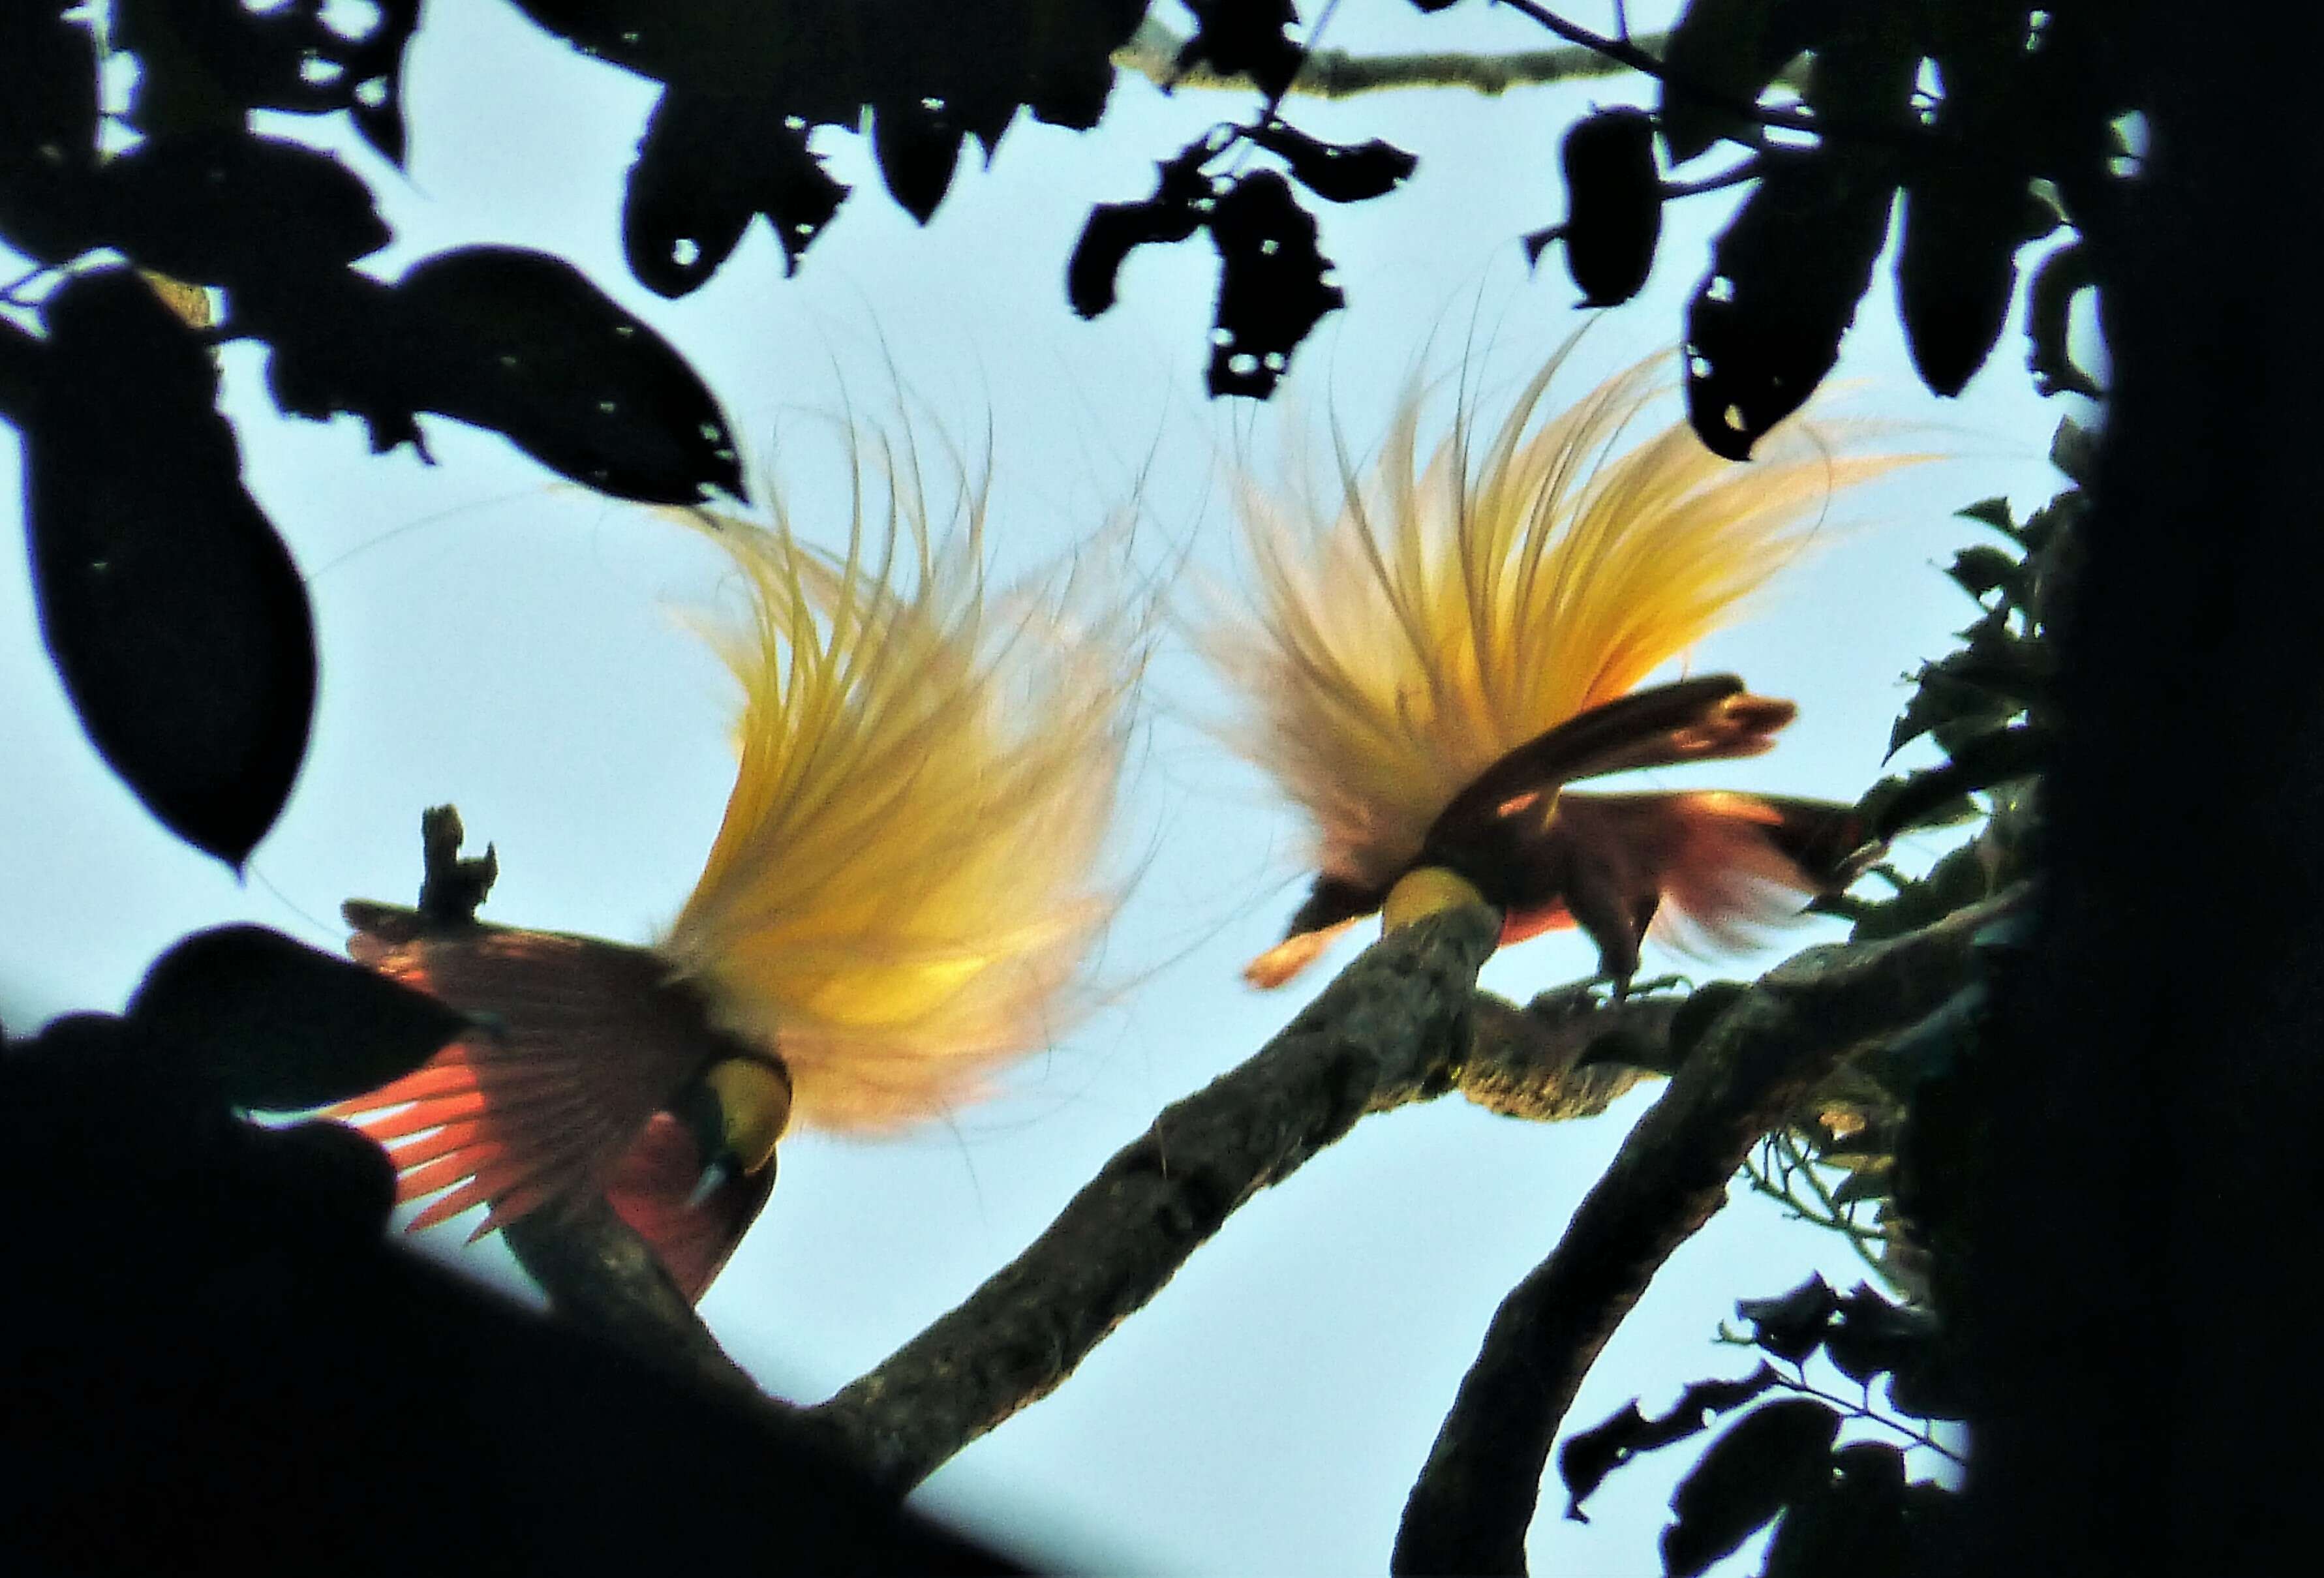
1521, 1061
1475, 1498
1385, 1033
599, 1274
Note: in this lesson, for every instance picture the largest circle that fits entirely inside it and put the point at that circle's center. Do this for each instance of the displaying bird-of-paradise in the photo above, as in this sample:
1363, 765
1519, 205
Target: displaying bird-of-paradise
901, 898
1425, 664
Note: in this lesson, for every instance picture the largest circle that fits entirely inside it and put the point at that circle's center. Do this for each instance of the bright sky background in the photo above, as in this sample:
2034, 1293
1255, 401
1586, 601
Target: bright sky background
494, 641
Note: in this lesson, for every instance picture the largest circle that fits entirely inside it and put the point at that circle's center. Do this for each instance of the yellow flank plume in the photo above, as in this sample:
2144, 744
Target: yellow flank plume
1393, 648
904, 890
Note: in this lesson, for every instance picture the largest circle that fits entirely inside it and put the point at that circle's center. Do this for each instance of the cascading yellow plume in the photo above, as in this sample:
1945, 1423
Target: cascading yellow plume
1441, 617
902, 896
903, 887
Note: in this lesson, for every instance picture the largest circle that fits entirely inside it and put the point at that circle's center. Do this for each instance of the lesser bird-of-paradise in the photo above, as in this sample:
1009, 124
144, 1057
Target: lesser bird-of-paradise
1427, 663
900, 899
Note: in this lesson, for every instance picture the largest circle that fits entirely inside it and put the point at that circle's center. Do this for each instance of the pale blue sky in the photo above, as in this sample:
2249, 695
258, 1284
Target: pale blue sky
495, 641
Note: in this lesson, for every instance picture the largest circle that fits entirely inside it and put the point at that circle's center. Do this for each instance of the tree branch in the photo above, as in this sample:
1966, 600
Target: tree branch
1153, 50
1475, 1498
599, 1274
1385, 1033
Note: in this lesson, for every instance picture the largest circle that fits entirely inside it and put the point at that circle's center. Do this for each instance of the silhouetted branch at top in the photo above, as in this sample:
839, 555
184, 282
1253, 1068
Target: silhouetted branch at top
1475, 1498
1153, 50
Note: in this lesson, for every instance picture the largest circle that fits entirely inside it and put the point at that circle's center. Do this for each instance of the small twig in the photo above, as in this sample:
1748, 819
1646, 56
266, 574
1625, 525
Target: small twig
1833, 1217
1474, 1499
1855, 1410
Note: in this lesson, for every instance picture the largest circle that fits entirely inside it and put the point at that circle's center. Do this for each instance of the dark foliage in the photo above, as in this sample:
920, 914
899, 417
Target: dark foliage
746, 85
213, 1351
277, 1025
1614, 205
175, 616
1845, 1508
1275, 283
2019, 135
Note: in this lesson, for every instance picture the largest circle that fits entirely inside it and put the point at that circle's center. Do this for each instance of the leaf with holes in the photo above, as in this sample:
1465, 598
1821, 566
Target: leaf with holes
1274, 284
1115, 230
307, 57
282, 1026
1613, 205
1765, 326
515, 341
1336, 172
1587, 1457
1778, 1453
175, 617
705, 168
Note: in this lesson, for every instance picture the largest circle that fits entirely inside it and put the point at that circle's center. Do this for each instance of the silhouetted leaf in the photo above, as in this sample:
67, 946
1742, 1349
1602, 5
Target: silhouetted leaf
916, 148
1765, 326
1861, 66
1589, 1456
1337, 173
1245, 37
1853, 1526
1778, 1453
249, 213
1956, 266
1982, 568
1274, 285
705, 168
1929, 1388
280, 1026
1993, 513
1993, 757
1613, 205
48, 132
1791, 1326
1115, 229
1871, 1335
309, 56
1941, 697
1728, 49
2074, 450
525, 346
515, 341
175, 617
